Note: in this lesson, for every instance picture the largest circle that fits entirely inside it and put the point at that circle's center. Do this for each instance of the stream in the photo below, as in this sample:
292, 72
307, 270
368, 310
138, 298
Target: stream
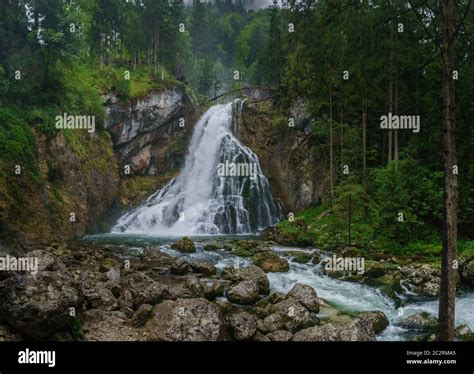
345, 296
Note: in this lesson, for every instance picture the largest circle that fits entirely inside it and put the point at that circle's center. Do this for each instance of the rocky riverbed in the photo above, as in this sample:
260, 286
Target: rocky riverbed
217, 290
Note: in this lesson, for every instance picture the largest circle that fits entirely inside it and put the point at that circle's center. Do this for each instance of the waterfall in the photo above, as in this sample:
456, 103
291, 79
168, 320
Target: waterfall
211, 195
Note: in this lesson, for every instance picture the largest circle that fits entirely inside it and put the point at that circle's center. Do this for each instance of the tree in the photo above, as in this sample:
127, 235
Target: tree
447, 294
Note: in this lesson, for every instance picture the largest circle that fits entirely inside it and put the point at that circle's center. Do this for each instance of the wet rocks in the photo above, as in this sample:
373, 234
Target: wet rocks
39, 305
186, 320
422, 321
203, 267
243, 293
306, 295
184, 245
357, 330
466, 271
243, 325
252, 273
377, 318
270, 262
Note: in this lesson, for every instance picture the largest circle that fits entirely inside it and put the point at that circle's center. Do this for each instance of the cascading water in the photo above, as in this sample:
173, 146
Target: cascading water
202, 200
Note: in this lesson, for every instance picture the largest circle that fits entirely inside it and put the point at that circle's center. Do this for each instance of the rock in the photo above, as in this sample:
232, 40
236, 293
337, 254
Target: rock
47, 262
216, 288
357, 330
203, 267
280, 336
98, 296
184, 245
466, 272
143, 290
378, 319
243, 293
270, 262
253, 273
7, 334
113, 275
300, 257
186, 320
259, 337
463, 332
142, 314
211, 247
422, 321
297, 317
162, 263
39, 306
243, 325
100, 325
248, 248
306, 295
273, 322
325, 333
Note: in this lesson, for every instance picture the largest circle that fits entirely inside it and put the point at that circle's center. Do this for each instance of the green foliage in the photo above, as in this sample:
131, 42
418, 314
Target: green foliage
17, 143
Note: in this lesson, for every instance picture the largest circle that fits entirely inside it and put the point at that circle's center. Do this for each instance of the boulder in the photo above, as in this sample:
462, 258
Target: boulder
280, 336
215, 288
377, 318
306, 295
422, 321
464, 332
466, 271
184, 245
271, 323
357, 330
101, 325
296, 316
252, 273
243, 293
186, 320
211, 247
243, 325
142, 314
203, 267
270, 262
141, 289
98, 296
39, 305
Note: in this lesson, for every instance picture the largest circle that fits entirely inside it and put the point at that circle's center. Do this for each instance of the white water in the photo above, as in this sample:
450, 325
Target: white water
345, 296
199, 201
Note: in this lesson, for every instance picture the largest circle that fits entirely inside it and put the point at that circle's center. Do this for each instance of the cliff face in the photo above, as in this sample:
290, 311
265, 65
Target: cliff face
299, 175
78, 179
82, 175
150, 138
151, 134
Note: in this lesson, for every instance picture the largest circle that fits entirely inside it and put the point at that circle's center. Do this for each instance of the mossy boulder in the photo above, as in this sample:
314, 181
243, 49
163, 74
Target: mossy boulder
270, 262
184, 245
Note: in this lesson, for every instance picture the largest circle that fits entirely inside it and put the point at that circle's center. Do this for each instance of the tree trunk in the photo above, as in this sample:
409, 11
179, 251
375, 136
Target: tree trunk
331, 167
448, 286
390, 110
395, 132
364, 145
